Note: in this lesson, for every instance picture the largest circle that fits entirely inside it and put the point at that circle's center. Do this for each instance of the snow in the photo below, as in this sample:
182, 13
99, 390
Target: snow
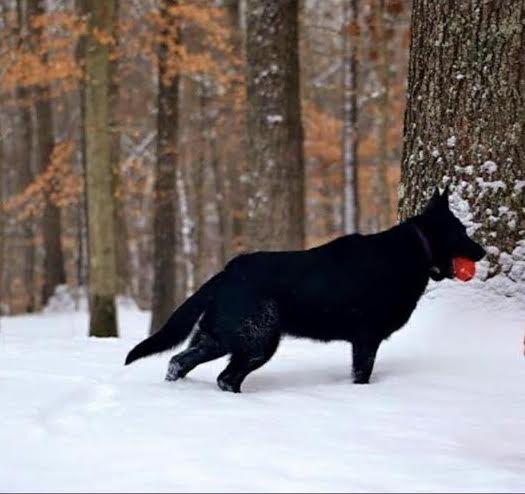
451, 141
444, 412
489, 167
273, 119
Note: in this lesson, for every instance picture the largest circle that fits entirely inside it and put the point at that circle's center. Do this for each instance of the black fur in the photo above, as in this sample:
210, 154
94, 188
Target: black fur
357, 288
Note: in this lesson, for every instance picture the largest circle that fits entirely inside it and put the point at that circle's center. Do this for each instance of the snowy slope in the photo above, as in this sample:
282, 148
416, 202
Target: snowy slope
446, 410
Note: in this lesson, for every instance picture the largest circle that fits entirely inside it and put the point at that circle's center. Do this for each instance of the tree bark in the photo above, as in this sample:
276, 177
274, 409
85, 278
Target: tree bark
2, 219
82, 261
121, 229
350, 131
54, 271
275, 133
102, 266
464, 121
165, 175
201, 257
234, 191
382, 188
25, 173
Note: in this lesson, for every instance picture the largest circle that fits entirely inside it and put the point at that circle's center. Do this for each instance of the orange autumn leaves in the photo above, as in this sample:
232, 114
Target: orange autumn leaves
42, 54
59, 182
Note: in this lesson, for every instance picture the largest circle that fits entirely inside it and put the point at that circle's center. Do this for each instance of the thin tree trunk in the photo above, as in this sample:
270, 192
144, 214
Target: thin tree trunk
201, 257
102, 266
464, 121
82, 213
350, 130
220, 195
382, 189
121, 229
186, 234
165, 176
275, 133
235, 190
54, 272
2, 226
25, 174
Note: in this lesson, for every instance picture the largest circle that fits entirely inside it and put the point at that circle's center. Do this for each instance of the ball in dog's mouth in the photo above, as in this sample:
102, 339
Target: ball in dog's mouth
464, 268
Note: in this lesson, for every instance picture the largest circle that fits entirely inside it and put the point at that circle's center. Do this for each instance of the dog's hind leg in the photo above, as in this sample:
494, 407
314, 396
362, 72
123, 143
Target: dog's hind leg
203, 348
364, 354
241, 364
258, 339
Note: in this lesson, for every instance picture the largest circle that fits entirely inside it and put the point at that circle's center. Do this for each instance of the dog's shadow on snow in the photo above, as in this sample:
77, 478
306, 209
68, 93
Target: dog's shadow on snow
318, 378
296, 379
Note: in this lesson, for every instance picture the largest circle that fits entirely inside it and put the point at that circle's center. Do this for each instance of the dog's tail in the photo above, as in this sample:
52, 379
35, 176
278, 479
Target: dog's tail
179, 325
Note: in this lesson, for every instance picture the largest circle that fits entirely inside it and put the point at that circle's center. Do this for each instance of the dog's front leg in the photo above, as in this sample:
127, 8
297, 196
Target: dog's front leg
364, 355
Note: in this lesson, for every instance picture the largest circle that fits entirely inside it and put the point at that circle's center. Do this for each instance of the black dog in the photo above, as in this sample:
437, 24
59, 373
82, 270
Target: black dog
357, 288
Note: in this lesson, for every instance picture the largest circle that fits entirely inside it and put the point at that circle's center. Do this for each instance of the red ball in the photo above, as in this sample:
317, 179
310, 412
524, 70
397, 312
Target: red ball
464, 269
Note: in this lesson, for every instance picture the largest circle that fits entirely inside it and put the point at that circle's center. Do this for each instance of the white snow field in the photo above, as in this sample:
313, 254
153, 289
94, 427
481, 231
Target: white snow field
445, 411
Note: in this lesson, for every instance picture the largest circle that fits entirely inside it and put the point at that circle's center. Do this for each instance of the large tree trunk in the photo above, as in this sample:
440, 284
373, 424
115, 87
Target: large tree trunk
464, 120
350, 132
102, 268
54, 272
165, 174
275, 134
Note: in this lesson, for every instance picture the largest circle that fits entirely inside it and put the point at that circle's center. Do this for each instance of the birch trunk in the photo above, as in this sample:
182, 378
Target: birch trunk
350, 131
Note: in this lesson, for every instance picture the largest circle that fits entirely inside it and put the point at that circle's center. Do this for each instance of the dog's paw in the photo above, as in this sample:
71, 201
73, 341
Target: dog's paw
359, 379
174, 372
228, 386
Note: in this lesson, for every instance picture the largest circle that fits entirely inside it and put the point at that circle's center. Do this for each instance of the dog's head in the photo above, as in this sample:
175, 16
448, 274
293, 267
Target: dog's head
447, 236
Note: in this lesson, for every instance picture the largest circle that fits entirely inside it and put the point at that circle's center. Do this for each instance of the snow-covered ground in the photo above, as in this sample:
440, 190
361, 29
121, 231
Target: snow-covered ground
445, 412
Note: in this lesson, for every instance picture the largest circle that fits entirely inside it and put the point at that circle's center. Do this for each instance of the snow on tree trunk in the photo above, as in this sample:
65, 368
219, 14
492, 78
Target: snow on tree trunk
101, 224
163, 300
464, 121
350, 136
275, 134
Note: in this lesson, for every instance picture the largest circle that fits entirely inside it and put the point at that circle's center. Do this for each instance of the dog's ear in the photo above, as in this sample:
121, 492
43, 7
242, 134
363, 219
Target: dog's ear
444, 197
434, 201
438, 201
